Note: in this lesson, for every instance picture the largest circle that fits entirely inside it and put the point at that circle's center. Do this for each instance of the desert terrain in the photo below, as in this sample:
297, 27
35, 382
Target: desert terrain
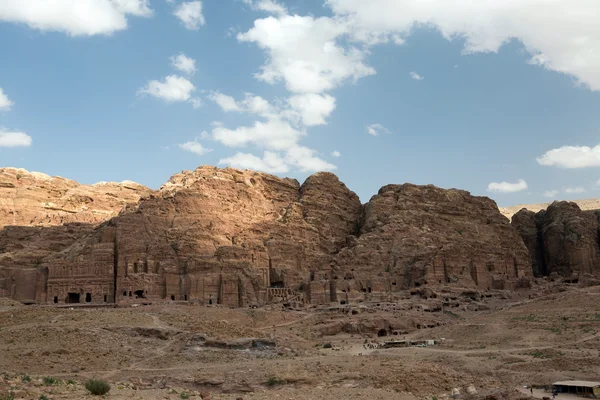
495, 342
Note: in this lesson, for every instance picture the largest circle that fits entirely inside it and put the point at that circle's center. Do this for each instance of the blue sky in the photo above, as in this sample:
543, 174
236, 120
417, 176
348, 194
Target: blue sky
503, 101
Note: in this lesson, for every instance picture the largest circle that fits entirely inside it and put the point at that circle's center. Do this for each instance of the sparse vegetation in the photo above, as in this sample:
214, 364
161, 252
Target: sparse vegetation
8, 396
49, 381
97, 387
26, 378
44, 397
274, 381
184, 395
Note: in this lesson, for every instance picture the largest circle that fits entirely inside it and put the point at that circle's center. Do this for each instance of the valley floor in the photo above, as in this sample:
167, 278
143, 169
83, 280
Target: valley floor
172, 351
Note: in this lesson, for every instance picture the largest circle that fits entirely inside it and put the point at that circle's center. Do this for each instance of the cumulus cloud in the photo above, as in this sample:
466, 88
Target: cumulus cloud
571, 157
269, 6
172, 89
551, 193
271, 162
416, 76
5, 102
14, 139
336, 153
507, 187
376, 129
563, 38
274, 134
578, 189
190, 14
312, 109
303, 53
300, 157
195, 147
76, 18
184, 64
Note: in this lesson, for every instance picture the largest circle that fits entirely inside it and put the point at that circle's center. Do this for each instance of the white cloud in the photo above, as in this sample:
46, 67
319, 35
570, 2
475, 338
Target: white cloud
195, 147
271, 162
306, 160
269, 6
506, 187
190, 14
274, 134
312, 109
173, 88
81, 17
551, 193
336, 153
5, 102
251, 104
227, 103
300, 157
184, 64
560, 35
416, 76
303, 52
14, 139
578, 189
196, 102
376, 129
571, 157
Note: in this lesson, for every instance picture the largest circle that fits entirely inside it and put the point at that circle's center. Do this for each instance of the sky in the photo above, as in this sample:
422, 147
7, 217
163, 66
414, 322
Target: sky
498, 98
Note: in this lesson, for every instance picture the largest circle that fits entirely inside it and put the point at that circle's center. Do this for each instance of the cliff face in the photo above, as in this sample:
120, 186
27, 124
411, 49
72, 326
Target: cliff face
42, 215
241, 237
416, 235
562, 239
36, 199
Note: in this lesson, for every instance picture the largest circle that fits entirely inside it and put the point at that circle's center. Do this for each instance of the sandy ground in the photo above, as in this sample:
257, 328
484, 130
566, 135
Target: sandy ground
166, 351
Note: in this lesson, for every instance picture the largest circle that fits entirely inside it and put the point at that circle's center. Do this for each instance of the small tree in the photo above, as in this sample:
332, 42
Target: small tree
97, 387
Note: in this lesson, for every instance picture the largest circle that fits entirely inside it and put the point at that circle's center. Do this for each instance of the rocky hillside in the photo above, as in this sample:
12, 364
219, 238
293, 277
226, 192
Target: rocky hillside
40, 214
36, 199
239, 237
586, 205
562, 239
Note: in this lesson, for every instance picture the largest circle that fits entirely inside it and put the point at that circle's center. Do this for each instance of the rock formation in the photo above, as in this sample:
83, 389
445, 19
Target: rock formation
416, 235
238, 238
42, 215
562, 239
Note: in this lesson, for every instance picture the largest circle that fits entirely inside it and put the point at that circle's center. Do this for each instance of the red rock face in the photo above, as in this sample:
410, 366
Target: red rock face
241, 237
567, 239
41, 215
416, 235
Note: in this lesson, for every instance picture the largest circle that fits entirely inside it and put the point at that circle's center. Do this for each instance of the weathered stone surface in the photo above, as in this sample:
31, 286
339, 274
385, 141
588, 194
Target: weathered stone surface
238, 238
525, 223
567, 239
42, 215
219, 236
413, 235
36, 199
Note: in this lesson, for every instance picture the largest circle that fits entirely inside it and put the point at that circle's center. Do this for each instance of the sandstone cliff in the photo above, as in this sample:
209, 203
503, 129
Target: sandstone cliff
36, 199
415, 235
562, 239
240, 237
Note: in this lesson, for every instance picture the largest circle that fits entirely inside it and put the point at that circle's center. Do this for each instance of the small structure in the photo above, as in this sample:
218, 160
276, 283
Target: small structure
580, 388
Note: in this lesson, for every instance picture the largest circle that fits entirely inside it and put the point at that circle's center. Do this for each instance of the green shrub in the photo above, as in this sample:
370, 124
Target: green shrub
9, 396
274, 381
97, 387
44, 397
26, 378
184, 395
71, 382
48, 381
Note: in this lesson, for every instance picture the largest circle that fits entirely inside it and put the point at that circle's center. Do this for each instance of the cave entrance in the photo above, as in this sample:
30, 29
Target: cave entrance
172, 297
55, 299
105, 298
88, 297
382, 332
139, 294
185, 297
73, 298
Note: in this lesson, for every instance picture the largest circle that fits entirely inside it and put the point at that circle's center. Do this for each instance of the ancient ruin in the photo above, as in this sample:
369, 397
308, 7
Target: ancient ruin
244, 238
